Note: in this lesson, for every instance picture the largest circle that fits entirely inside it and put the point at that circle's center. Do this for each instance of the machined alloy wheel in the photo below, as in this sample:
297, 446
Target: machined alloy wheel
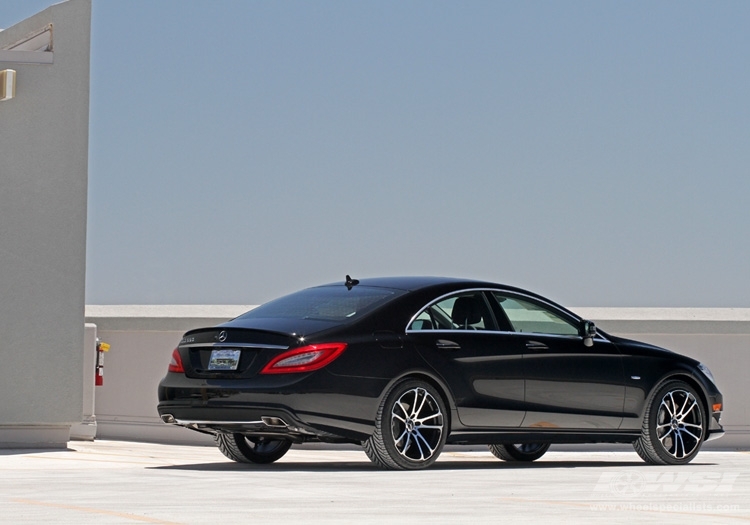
246, 449
520, 452
410, 427
674, 425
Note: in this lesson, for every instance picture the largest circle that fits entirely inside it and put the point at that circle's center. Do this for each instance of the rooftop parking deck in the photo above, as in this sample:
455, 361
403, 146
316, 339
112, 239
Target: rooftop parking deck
123, 482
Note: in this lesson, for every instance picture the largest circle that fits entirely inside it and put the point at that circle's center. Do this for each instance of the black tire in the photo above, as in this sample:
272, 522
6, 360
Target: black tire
411, 427
244, 449
521, 452
674, 425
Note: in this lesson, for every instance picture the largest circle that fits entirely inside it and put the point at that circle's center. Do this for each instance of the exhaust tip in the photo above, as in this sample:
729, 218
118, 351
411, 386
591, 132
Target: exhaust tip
271, 421
168, 418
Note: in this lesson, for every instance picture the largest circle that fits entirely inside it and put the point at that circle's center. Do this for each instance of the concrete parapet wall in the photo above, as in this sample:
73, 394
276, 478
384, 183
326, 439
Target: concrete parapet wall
143, 337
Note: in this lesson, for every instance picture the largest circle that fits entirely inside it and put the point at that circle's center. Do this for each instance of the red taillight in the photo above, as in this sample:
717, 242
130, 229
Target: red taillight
305, 359
175, 365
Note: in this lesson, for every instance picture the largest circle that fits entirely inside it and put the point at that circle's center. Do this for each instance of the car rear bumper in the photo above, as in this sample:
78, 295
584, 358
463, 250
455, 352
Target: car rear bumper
302, 410
256, 420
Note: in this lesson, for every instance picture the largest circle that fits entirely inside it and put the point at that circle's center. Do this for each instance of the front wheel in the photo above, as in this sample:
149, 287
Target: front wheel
244, 449
674, 425
410, 427
522, 452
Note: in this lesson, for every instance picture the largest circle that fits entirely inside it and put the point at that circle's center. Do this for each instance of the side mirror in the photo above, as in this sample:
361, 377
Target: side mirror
588, 331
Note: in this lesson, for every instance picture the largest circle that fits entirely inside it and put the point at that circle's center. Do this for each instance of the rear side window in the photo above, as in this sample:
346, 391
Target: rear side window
325, 303
463, 311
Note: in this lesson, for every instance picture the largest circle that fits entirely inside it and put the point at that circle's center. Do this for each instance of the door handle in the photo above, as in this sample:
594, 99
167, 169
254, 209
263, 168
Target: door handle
445, 344
536, 345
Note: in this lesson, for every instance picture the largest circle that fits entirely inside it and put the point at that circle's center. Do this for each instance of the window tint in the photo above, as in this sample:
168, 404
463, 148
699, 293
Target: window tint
529, 317
325, 303
424, 322
465, 311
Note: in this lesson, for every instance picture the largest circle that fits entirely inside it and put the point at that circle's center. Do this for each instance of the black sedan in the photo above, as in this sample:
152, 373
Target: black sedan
403, 366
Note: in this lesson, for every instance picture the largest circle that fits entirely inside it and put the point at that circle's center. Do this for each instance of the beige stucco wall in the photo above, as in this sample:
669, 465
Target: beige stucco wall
43, 190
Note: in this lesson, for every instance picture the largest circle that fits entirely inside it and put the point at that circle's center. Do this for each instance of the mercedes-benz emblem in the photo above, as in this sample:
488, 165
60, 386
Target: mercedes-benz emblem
222, 336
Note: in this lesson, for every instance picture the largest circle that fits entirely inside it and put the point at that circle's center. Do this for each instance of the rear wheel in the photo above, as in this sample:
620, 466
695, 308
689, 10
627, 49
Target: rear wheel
244, 449
674, 425
410, 427
522, 452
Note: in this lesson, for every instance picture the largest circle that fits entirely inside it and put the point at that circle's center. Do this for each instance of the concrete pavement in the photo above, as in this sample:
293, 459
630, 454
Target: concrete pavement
125, 482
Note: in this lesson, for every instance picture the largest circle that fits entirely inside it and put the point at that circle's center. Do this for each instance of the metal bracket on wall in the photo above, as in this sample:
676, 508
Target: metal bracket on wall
7, 84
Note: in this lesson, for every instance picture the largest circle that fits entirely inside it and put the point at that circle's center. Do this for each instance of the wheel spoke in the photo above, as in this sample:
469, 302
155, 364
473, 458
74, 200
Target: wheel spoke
665, 436
433, 416
686, 431
421, 405
398, 418
674, 405
410, 443
679, 441
401, 406
419, 437
414, 404
684, 413
664, 430
420, 441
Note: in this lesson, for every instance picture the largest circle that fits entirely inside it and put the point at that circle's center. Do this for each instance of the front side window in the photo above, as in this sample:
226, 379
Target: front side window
533, 318
464, 311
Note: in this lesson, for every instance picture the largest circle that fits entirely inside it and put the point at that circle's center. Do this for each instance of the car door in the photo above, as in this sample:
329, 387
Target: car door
568, 384
459, 337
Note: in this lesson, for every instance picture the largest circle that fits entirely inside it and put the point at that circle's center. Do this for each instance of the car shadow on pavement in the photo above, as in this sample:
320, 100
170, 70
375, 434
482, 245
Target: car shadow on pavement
323, 466
357, 466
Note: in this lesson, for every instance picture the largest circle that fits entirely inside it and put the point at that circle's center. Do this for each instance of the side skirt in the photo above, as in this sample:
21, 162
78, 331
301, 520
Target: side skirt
474, 437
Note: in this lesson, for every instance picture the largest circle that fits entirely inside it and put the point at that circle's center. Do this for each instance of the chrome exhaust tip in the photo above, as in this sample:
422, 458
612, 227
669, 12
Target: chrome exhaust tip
271, 421
168, 418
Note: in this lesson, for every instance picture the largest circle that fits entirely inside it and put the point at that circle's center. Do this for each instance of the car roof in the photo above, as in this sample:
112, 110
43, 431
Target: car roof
417, 282
445, 284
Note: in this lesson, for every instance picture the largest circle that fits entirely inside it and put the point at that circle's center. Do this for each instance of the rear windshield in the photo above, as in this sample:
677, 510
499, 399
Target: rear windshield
326, 303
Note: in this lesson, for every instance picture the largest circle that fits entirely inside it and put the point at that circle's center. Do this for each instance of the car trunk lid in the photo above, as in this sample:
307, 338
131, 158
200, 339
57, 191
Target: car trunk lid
224, 352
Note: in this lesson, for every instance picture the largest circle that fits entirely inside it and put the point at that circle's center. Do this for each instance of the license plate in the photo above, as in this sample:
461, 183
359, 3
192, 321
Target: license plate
224, 360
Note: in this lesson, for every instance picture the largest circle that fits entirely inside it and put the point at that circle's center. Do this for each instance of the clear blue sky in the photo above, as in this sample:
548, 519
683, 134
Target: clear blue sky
596, 152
